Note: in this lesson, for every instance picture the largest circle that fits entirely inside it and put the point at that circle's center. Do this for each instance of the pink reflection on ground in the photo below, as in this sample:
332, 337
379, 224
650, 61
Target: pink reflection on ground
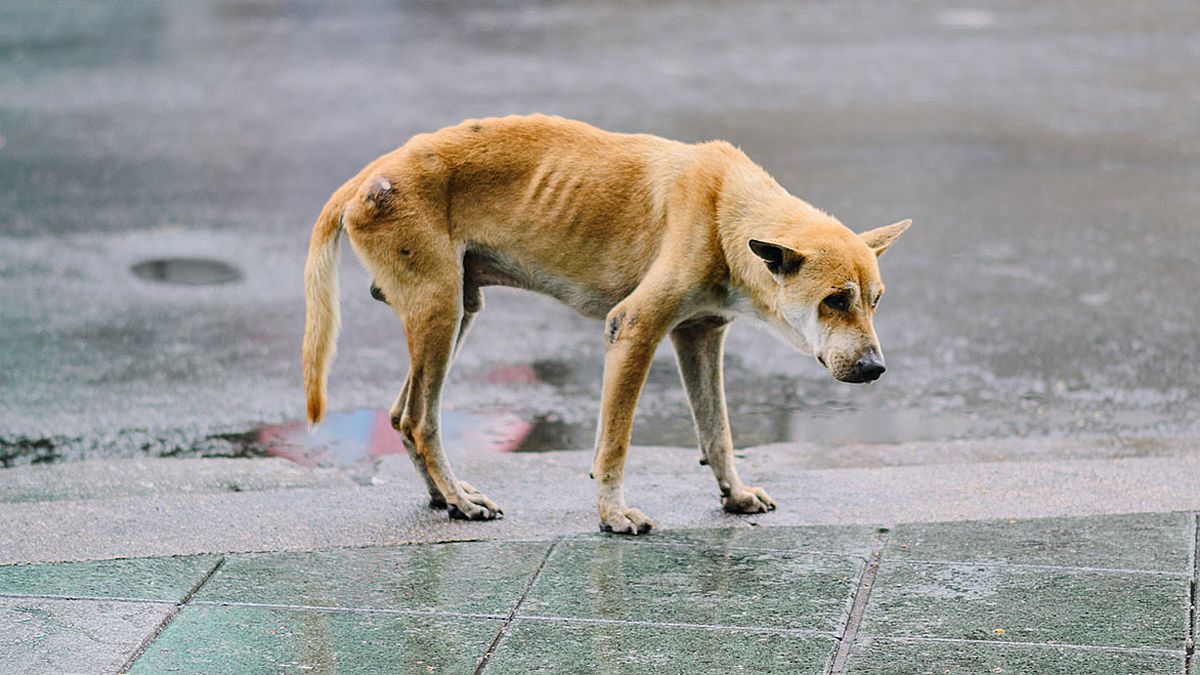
361, 436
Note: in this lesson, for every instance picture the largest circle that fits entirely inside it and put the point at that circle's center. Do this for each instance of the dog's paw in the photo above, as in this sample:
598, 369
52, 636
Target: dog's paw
626, 521
748, 500
477, 507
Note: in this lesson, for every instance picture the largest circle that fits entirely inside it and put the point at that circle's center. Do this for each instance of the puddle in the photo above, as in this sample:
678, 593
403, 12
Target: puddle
187, 271
362, 436
359, 437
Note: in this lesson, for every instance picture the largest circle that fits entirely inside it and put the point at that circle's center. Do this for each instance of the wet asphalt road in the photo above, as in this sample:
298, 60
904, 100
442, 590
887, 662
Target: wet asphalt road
1048, 154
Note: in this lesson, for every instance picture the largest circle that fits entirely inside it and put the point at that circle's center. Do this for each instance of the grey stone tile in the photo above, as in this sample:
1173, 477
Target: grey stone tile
474, 577
642, 581
1023, 604
1157, 542
246, 640
889, 657
45, 635
166, 579
560, 647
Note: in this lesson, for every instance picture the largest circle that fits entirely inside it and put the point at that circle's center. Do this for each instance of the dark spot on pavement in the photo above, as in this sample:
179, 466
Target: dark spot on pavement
187, 271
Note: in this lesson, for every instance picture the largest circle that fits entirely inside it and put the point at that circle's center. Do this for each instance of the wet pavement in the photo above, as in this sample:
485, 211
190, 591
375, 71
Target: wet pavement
1047, 154
1011, 596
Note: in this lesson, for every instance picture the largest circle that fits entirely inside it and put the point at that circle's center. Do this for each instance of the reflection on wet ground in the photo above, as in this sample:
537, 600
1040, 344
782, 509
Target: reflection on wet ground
762, 411
358, 437
551, 404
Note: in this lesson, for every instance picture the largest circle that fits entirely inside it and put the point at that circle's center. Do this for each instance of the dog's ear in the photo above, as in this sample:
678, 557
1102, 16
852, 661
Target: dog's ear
781, 260
881, 238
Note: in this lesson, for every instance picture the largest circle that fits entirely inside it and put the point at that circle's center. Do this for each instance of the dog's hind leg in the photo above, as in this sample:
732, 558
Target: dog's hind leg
436, 499
433, 327
472, 304
699, 346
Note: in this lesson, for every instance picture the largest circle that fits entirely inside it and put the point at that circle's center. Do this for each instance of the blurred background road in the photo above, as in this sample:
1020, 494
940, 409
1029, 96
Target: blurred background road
1048, 153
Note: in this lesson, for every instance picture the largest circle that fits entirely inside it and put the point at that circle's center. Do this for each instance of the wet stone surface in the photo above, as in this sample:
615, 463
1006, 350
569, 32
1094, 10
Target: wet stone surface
536, 646
43, 635
991, 602
1144, 542
164, 579
207, 638
644, 581
476, 578
754, 600
887, 657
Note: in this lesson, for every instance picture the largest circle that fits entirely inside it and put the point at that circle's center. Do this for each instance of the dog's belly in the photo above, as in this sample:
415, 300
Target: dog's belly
488, 267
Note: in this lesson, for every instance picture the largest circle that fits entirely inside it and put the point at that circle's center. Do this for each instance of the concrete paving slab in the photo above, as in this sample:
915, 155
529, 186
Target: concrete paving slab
1021, 604
1153, 542
45, 635
638, 580
475, 578
105, 479
212, 639
550, 494
888, 657
554, 647
164, 579
727, 601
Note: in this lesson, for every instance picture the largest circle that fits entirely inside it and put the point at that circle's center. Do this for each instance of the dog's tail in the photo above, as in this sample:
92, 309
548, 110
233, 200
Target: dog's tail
321, 302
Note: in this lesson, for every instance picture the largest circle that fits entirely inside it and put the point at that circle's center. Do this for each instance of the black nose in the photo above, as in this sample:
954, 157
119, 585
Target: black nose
869, 367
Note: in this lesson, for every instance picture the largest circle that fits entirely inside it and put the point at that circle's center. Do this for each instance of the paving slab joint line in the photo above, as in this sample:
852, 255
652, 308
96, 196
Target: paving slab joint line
807, 632
503, 630
1189, 645
338, 609
92, 598
174, 611
1032, 566
1034, 645
858, 606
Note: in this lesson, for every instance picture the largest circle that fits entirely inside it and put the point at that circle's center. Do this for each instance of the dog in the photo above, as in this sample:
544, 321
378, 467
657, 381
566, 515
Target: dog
656, 237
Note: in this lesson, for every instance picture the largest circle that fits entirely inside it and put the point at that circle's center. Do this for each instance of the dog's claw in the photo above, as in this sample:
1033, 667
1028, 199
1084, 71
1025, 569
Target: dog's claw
749, 500
478, 506
629, 521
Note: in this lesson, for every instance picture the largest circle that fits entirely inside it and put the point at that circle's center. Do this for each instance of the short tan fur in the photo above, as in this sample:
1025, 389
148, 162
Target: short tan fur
657, 238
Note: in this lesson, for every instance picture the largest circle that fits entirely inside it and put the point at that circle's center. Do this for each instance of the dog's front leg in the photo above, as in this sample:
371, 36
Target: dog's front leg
699, 349
632, 332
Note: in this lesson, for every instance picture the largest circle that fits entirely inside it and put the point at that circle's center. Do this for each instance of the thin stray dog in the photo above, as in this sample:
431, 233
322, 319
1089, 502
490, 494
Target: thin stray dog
654, 236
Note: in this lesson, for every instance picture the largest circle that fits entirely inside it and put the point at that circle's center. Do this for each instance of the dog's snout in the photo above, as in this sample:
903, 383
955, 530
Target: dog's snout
869, 367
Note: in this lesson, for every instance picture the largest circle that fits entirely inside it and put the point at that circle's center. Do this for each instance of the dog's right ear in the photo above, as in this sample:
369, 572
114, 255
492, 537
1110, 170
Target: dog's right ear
780, 260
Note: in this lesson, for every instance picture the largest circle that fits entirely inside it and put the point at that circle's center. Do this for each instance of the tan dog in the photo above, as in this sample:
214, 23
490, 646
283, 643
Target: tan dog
654, 236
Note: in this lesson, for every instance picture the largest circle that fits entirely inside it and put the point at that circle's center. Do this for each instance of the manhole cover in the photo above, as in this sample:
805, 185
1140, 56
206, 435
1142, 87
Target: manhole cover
188, 271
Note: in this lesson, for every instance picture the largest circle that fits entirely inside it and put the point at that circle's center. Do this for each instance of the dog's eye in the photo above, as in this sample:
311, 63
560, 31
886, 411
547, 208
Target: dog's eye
875, 302
838, 302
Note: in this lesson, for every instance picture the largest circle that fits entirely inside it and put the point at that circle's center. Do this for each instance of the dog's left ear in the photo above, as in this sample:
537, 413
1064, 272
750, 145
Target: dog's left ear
881, 238
780, 260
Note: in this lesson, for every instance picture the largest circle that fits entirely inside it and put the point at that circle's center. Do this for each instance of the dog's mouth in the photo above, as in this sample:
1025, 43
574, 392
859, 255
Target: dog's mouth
821, 360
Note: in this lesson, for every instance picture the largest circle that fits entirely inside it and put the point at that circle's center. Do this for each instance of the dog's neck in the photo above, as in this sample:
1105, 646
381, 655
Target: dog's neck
751, 205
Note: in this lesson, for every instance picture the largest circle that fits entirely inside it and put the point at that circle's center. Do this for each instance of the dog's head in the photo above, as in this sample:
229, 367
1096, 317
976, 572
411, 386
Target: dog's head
828, 288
